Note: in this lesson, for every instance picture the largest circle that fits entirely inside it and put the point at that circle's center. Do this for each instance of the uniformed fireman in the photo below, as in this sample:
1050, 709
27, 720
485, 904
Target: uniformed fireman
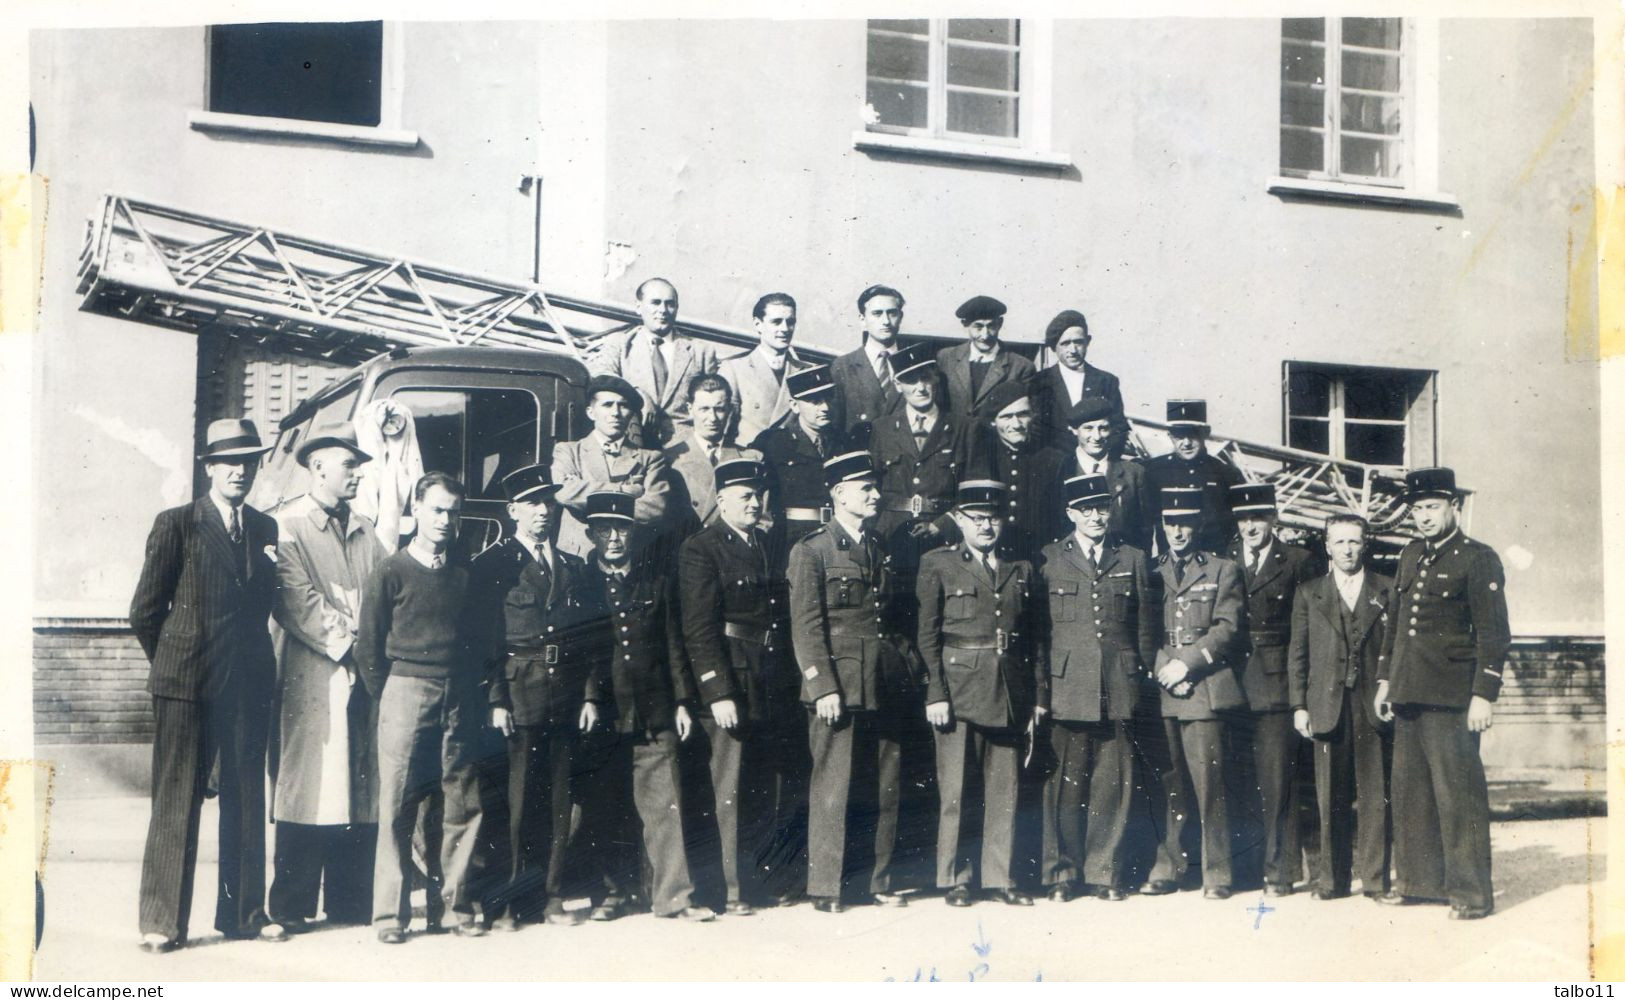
1266, 745
795, 451
734, 630
1445, 655
1203, 619
1100, 632
528, 593
922, 452
1190, 466
859, 682
1005, 447
974, 633
1134, 506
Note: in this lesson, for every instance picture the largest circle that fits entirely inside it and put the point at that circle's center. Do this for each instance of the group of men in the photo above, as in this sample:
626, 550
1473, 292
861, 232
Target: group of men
792, 572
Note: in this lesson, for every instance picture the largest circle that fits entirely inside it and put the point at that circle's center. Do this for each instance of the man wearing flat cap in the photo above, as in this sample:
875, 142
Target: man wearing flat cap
1190, 466
864, 390
528, 602
606, 459
859, 683
981, 364
657, 360
325, 805
735, 632
200, 611
1444, 659
1004, 447
1133, 504
975, 634
795, 452
1071, 380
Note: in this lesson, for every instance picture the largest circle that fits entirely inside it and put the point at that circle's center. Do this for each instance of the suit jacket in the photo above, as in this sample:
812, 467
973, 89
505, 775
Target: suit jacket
955, 363
975, 634
860, 398
1035, 514
582, 468
640, 669
1100, 627
761, 398
730, 587
1134, 509
1208, 474
1270, 590
1054, 405
931, 471
1323, 651
693, 497
628, 354
1449, 633
202, 606
1203, 619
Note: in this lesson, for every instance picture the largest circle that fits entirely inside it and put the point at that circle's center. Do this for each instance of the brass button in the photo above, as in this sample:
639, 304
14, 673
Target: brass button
1413, 631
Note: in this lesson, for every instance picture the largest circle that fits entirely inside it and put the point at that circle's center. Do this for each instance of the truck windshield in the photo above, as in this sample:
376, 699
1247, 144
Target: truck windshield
478, 435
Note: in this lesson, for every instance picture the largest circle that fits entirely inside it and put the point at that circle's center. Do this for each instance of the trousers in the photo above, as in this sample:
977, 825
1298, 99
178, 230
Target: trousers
856, 783
334, 862
632, 801
1086, 803
541, 764
974, 763
1352, 767
1266, 749
759, 774
1188, 758
1441, 808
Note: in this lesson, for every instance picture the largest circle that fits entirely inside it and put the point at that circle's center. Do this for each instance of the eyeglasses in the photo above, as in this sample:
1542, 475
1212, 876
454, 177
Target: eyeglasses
979, 520
1093, 513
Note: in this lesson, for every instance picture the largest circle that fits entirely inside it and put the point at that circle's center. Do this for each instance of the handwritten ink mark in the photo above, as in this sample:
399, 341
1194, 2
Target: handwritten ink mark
981, 945
1261, 909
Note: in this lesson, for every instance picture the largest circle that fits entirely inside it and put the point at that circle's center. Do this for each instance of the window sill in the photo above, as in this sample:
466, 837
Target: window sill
946, 149
1369, 194
349, 135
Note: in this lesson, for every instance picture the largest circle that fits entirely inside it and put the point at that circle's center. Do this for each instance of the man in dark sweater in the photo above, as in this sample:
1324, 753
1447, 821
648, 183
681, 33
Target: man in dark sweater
413, 656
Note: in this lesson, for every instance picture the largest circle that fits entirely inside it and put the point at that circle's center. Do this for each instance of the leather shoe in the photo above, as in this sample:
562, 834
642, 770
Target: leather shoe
695, 914
959, 895
1470, 912
274, 933
1389, 898
505, 924
740, 908
1062, 893
888, 899
469, 929
1330, 893
1110, 893
789, 897
157, 944
391, 935
828, 904
560, 917
1216, 892
1277, 889
1010, 897
1159, 887
609, 909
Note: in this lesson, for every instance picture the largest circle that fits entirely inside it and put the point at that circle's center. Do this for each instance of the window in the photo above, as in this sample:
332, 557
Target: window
321, 72
1375, 416
477, 435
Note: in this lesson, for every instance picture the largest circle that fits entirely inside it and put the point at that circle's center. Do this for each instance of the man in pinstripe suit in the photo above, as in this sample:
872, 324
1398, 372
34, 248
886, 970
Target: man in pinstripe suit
200, 612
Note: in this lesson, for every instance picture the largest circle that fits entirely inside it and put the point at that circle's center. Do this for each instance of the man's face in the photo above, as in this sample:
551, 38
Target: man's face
740, 506
981, 528
984, 333
1072, 347
610, 414
658, 307
814, 411
777, 327
1187, 442
710, 410
611, 541
534, 519
232, 478
336, 472
882, 318
857, 498
1434, 516
1091, 522
920, 392
1014, 424
1255, 530
1179, 534
436, 515
1345, 544
1093, 435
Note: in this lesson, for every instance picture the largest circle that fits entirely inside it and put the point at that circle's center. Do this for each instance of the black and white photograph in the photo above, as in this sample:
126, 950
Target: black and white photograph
772, 495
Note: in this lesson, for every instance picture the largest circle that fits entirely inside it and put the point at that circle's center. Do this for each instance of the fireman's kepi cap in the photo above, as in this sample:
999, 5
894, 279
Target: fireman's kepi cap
530, 484
1252, 498
619, 386
1181, 505
1436, 482
610, 507
854, 466
741, 472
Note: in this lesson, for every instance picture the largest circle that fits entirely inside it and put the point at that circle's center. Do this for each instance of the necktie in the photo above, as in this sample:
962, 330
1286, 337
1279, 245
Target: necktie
235, 528
1179, 572
612, 449
711, 454
920, 431
1094, 559
987, 562
657, 361
437, 561
883, 369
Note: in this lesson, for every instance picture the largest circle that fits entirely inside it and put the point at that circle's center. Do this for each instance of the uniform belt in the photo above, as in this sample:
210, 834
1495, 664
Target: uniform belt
916, 505
760, 636
819, 514
1269, 636
548, 653
1172, 639
1000, 640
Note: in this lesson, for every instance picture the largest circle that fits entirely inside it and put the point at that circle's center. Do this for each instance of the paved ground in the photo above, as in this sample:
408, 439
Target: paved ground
1545, 873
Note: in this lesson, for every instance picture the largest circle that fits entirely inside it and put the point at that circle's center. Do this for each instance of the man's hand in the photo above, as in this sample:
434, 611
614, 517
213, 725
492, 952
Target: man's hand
829, 707
922, 530
685, 723
1039, 711
1300, 722
1480, 714
1385, 711
1182, 690
938, 714
1171, 673
589, 716
725, 713
502, 721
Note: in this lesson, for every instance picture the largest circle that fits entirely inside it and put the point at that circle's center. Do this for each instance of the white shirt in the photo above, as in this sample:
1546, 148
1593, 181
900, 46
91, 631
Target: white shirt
1348, 585
225, 510
421, 553
542, 551
1254, 560
743, 534
1073, 380
1090, 548
1088, 465
774, 360
918, 421
608, 447
875, 351
981, 357
661, 344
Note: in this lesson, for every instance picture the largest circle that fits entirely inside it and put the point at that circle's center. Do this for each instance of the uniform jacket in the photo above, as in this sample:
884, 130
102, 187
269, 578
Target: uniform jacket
1203, 620
760, 395
693, 499
640, 670
326, 768
1322, 650
965, 619
1035, 506
582, 468
797, 464
1054, 405
1214, 478
1134, 507
842, 619
907, 469
1270, 590
628, 354
1100, 627
728, 586
532, 630
1006, 366
202, 606
1448, 634
859, 395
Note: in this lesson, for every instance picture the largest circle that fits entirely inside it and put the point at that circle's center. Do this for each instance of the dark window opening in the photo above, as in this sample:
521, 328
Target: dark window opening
327, 72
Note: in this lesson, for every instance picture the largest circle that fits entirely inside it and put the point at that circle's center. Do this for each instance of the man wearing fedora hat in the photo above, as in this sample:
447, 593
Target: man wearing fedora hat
1089, 453
1004, 447
325, 805
606, 459
1189, 466
981, 364
528, 599
1073, 380
1444, 658
200, 612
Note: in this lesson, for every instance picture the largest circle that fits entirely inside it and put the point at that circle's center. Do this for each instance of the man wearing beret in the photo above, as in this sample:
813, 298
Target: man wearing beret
858, 682
1443, 663
605, 459
1189, 466
865, 391
734, 630
981, 364
657, 360
326, 803
1004, 447
795, 452
976, 636
528, 599
1133, 504
1073, 379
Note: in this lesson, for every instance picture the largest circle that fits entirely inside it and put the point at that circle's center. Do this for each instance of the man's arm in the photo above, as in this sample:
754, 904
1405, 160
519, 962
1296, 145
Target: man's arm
808, 635
160, 573
372, 632
1492, 634
606, 358
1297, 653
574, 486
651, 505
1148, 619
928, 638
302, 609
1229, 610
682, 675
703, 623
